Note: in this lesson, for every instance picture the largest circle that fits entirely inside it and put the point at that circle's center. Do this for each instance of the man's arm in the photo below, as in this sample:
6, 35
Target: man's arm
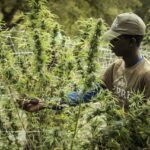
74, 98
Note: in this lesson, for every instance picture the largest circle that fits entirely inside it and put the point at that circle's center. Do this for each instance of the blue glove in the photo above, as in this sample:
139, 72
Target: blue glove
74, 98
78, 97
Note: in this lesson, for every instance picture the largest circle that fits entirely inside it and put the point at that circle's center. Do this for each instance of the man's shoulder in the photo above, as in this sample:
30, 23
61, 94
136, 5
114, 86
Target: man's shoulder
115, 65
118, 63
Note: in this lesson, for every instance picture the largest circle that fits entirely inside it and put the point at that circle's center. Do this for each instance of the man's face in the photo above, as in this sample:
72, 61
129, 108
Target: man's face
121, 46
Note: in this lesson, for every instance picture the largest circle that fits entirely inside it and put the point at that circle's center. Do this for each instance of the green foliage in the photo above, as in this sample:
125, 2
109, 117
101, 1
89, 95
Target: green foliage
144, 10
123, 130
147, 36
38, 60
69, 12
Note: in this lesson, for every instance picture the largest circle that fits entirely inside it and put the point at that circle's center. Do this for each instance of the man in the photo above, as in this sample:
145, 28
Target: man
126, 75
132, 72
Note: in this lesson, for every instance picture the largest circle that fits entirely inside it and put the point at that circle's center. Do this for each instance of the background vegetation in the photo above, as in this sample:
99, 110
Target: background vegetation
49, 48
68, 12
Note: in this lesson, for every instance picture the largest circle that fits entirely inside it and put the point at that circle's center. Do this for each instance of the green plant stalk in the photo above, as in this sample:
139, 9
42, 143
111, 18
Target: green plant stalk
12, 124
13, 98
76, 126
39, 50
92, 54
53, 61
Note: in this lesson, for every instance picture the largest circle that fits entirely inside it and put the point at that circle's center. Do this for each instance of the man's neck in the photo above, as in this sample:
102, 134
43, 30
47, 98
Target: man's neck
130, 61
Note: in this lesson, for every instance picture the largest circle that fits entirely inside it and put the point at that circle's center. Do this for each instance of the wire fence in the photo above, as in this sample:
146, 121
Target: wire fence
106, 57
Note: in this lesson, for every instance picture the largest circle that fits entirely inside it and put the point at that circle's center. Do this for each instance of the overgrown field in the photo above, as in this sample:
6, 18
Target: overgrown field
37, 60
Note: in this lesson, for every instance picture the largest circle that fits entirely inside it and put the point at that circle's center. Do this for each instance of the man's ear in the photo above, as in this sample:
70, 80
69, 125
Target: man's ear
133, 41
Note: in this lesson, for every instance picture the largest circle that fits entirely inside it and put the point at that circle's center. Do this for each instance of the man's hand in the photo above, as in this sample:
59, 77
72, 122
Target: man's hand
31, 104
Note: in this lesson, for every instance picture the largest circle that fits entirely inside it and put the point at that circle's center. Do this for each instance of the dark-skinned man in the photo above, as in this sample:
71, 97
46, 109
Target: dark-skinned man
132, 72
129, 74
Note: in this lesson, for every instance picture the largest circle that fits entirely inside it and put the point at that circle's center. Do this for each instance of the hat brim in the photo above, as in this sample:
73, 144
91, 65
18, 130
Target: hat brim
110, 35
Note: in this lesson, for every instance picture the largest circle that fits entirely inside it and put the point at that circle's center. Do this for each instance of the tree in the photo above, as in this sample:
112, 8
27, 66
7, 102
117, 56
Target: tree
144, 10
10, 12
69, 12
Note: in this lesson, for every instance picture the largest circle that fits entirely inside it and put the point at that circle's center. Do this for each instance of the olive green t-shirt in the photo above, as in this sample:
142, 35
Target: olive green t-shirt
123, 81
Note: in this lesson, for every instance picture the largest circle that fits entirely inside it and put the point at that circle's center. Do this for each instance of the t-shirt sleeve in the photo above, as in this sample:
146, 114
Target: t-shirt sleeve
107, 77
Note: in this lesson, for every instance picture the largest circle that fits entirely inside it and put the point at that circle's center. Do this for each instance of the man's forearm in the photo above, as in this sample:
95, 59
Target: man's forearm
75, 98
